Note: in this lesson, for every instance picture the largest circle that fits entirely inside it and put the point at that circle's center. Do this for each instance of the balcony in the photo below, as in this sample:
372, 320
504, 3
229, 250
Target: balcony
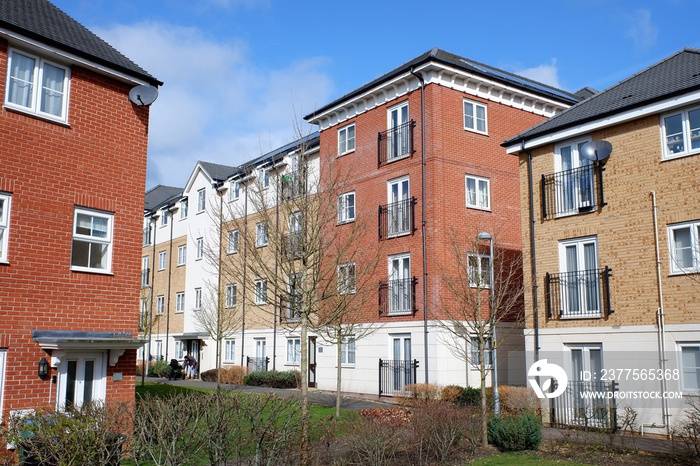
572, 191
145, 277
582, 294
293, 246
397, 219
290, 307
398, 297
293, 185
395, 143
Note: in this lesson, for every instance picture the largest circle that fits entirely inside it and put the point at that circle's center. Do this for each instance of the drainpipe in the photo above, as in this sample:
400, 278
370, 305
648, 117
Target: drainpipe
423, 232
277, 293
170, 269
661, 332
147, 358
245, 270
533, 262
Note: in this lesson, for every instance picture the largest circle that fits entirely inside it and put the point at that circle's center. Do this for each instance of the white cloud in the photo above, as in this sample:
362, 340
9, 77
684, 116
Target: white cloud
546, 74
640, 29
216, 104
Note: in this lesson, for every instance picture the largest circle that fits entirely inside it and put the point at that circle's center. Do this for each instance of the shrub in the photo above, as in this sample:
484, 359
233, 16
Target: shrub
424, 391
440, 426
520, 432
378, 437
159, 369
515, 400
451, 393
272, 379
229, 375
688, 430
470, 396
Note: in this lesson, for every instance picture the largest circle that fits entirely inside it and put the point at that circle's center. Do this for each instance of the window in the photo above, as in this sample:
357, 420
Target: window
399, 207
179, 349
476, 355
159, 348
346, 278
681, 133
200, 248
260, 291
181, 255
347, 351
231, 294
183, 209
293, 350
573, 180
295, 296
4, 225
234, 191
261, 234
479, 270
229, 351
690, 367
346, 207
160, 305
263, 178
684, 242
162, 259
164, 216
180, 301
37, 86
400, 302
232, 242
398, 136
475, 116
579, 282
92, 241
478, 190
197, 299
201, 200
346, 139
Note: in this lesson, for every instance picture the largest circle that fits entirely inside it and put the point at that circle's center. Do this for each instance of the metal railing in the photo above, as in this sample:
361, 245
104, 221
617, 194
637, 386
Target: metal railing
397, 218
293, 185
580, 294
257, 364
290, 309
397, 297
572, 191
395, 143
396, 375
588, 404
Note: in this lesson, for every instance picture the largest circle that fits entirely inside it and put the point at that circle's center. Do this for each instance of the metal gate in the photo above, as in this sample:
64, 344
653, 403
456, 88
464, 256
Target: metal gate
395, 375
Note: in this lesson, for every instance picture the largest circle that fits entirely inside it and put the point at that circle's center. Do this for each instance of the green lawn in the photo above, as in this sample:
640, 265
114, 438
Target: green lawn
523, 459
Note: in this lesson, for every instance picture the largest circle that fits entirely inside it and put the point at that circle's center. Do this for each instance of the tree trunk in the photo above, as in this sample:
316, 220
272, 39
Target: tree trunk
339, 342
484, 410
304, 418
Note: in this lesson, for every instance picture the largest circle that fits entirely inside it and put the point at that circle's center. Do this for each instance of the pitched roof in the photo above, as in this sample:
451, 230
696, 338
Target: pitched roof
42, 21
160, 196
466, 64
309, 141
218, 172
674, 75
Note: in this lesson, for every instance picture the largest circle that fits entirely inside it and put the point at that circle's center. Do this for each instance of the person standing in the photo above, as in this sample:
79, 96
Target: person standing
191, 364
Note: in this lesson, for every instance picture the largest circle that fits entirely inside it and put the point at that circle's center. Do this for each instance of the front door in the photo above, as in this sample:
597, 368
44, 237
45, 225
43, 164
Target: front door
81, 379
312, 362
586, 359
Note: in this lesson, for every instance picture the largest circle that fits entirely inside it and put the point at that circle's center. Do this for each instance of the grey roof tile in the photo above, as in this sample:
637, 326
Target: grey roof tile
161, 195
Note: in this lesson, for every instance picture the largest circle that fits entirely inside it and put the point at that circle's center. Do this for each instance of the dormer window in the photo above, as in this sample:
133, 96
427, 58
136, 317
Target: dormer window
263, 178
37, 86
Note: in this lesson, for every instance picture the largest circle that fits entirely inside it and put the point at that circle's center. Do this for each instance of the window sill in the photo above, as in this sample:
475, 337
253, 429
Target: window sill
472, 130
670, 157
344, 154
179, 312
398, 235
46, 118
94, 271
682, 273
396, 159
580, 317
483, 209
292, 364
345, 222
347, 366
399, 314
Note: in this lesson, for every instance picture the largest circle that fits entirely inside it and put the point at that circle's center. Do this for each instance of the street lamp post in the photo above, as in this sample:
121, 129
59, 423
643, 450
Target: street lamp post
484, 236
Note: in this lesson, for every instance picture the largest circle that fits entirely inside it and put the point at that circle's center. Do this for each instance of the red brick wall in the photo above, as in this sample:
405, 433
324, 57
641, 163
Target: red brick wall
98, 160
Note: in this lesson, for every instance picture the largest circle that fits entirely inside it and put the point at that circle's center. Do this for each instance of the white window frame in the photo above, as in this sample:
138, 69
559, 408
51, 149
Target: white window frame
346, 208
347, 279
106, 241
579, 287
98, 381
479, 276
197, 299
160, 305
180, 301
182, 254
231, 295
348, 352
399, 292
481, 193
693, 249
162, 260
229, 350
164, 217
200, 248
686, 136
472, 118
263, 178
346, 142
575, 194
201, 200
184, 206
232, 246
398, 143
293, 351
682, 366
475, 356
260, 291
179, 349
37, 95
234, 192
399, 207
3, 364
261, 235
6, 201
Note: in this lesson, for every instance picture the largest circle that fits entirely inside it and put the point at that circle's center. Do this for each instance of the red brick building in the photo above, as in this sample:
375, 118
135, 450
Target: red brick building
421, 145
72, 177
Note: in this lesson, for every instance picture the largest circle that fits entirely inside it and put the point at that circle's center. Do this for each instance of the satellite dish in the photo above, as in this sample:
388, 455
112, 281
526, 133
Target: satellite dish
596, 150
143, 96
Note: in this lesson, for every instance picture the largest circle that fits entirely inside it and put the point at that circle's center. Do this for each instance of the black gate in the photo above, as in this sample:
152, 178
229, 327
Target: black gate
257, 364
395, 375
585, 404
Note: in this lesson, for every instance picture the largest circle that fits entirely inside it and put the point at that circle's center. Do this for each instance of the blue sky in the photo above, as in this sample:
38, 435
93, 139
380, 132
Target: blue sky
240, 74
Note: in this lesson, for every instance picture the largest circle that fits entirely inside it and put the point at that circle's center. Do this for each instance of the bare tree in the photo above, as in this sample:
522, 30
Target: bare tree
482, 291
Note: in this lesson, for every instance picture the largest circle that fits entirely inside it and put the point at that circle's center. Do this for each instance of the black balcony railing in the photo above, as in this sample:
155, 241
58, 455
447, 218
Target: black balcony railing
293, 245
290, 307
395, 143
572, 191
581, 294
257, 364
397, 218
588, 404
145, 277
397, 297
396, 375
293, 185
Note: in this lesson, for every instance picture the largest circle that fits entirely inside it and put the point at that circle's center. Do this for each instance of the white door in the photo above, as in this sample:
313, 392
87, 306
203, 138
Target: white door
403, 365
260, 355
399, 207
575, 185
398, 131
400, 285
586, 363
81, 379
